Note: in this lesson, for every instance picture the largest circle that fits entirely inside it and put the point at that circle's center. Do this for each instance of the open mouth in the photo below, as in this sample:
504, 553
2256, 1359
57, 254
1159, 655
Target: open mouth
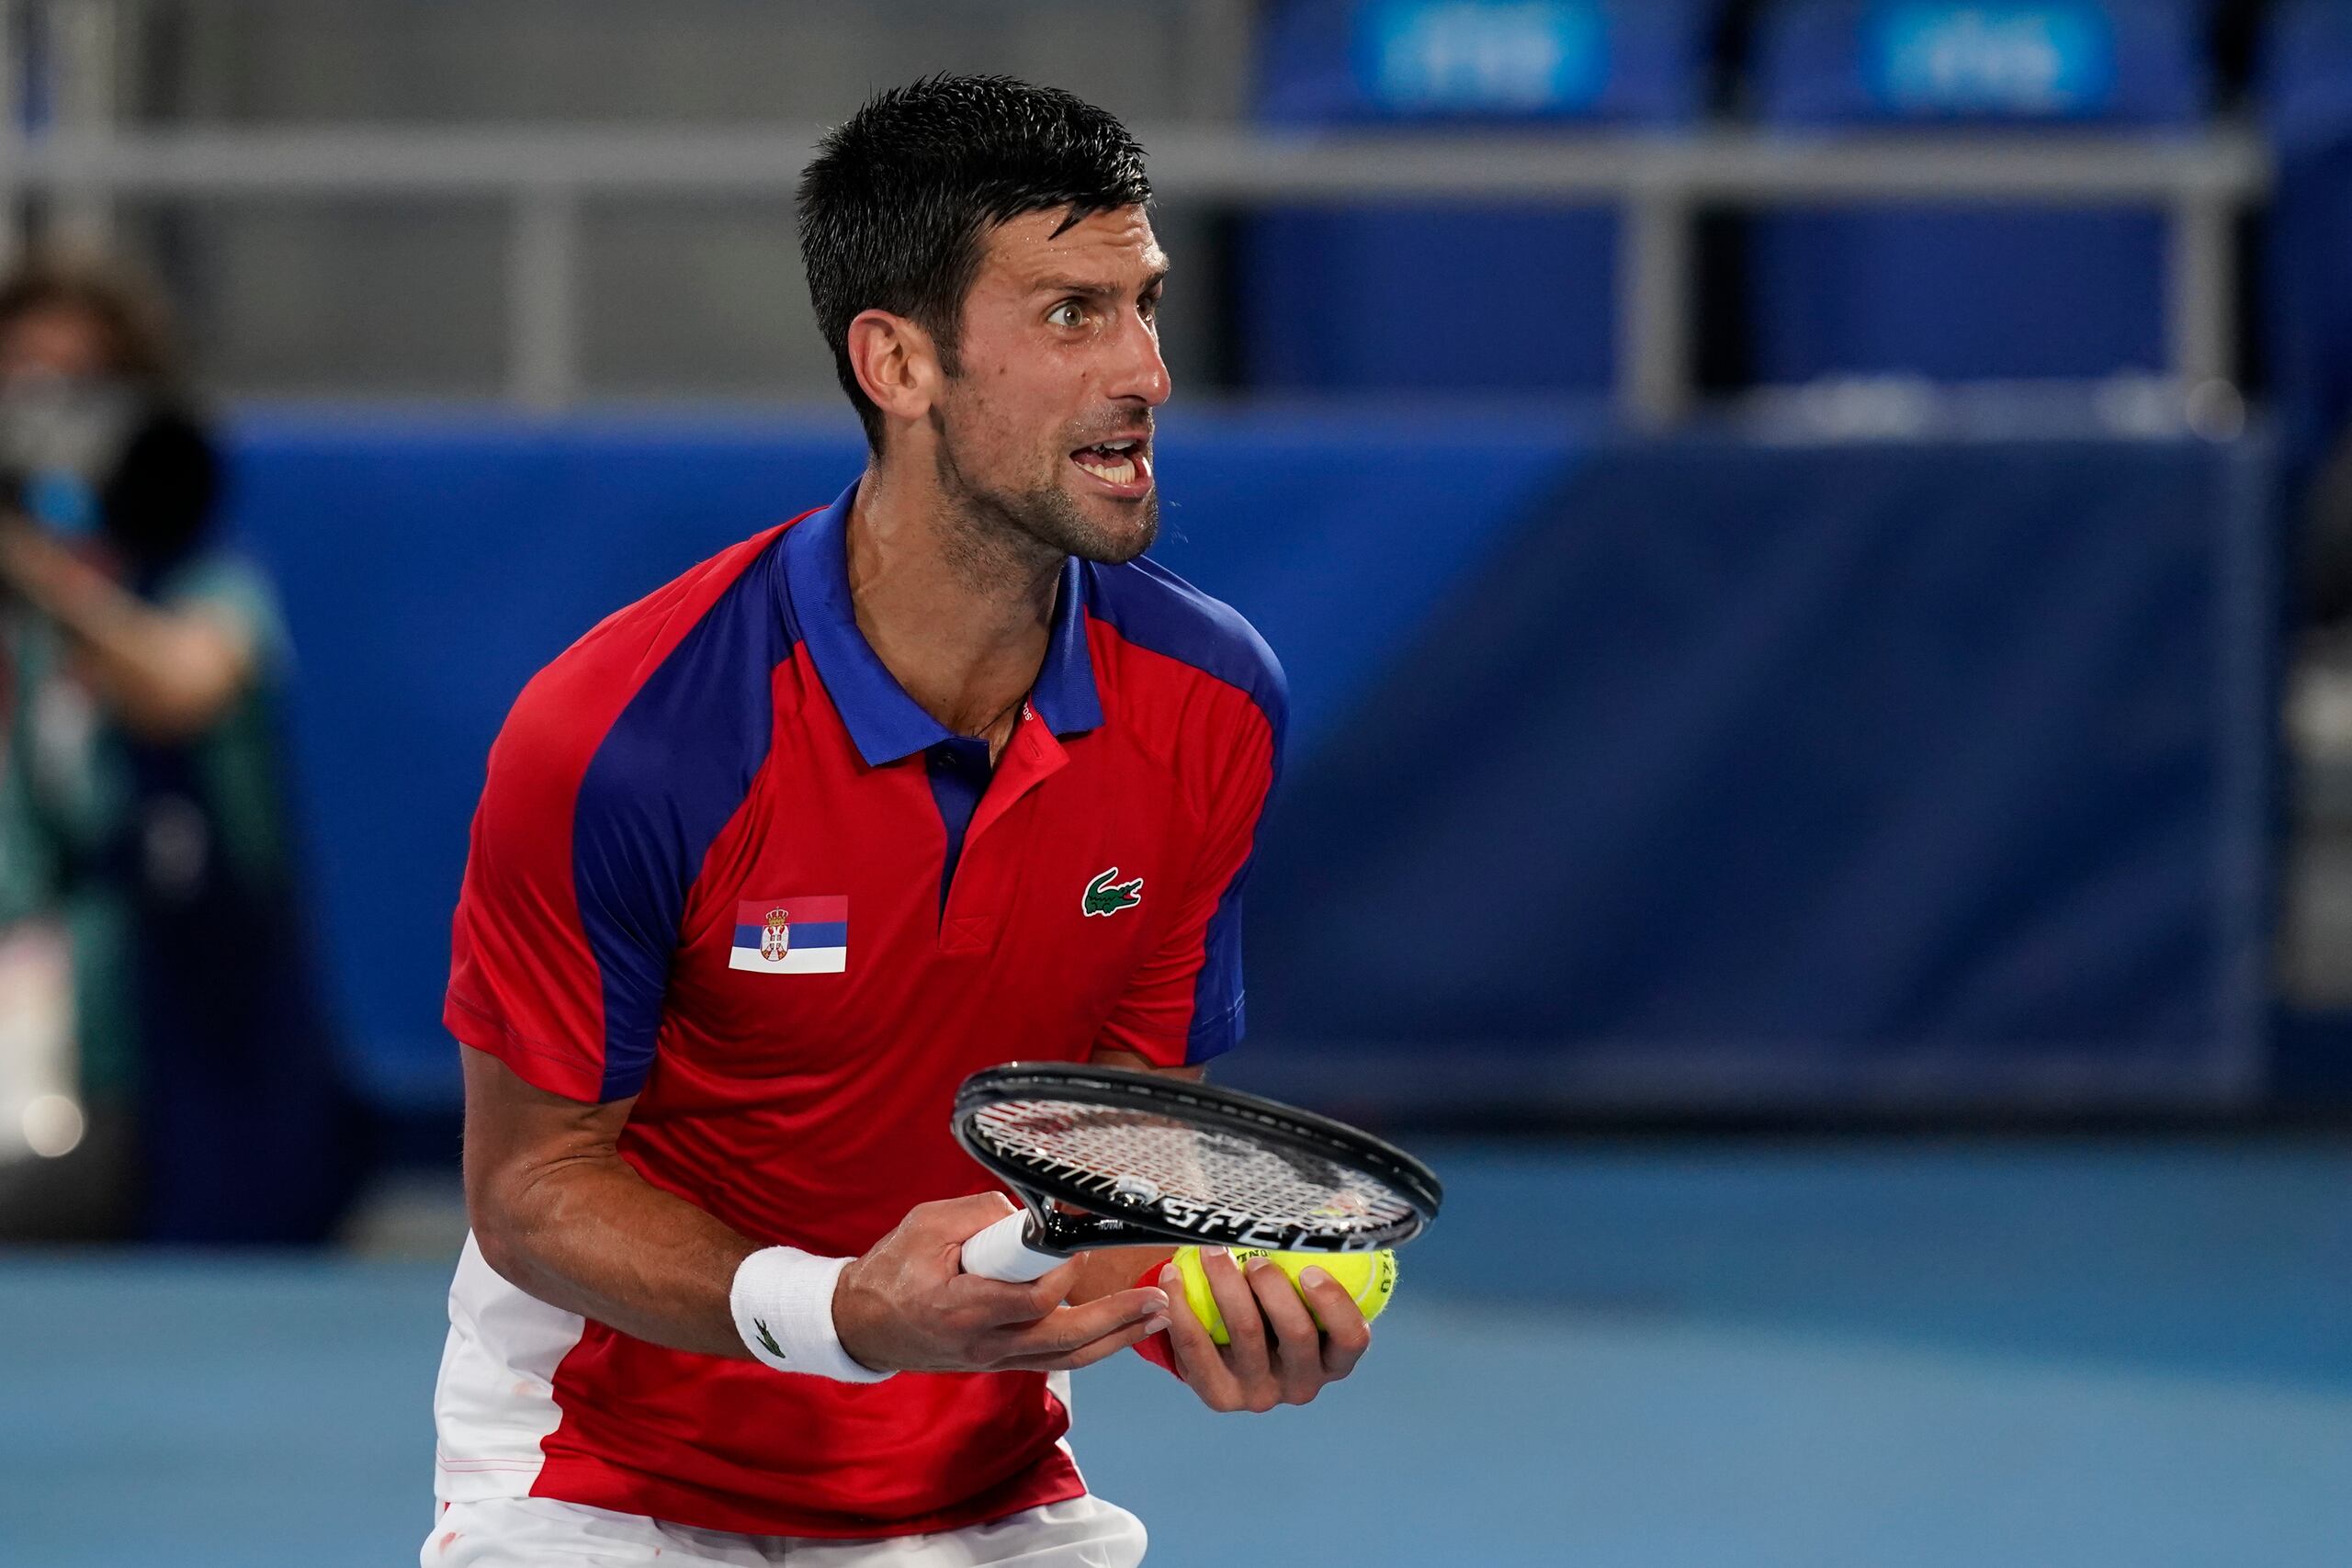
1124, 464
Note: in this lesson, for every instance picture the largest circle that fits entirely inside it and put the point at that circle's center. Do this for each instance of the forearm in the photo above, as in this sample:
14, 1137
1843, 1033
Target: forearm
165, 673
592, 1236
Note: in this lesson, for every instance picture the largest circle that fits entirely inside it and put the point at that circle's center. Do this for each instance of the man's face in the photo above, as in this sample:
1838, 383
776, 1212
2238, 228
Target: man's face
1047, 425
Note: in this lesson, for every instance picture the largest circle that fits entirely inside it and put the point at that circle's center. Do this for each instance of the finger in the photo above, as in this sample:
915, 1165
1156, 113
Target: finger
1050, 1290
1087, 1355
997, 1302
1068, 1330
944, 1224
1198, 1361
1297, 1347
961, 1219
1244, 1326
1346, 1335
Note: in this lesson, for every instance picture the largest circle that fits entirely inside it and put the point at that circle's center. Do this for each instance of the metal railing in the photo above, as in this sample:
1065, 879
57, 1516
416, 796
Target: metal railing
1660, 182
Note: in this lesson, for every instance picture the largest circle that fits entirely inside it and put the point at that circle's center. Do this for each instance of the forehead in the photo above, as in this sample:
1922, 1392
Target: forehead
1115, 248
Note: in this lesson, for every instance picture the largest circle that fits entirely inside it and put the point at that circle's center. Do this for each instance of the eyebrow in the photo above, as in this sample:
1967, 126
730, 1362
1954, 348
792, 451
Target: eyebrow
1095, 290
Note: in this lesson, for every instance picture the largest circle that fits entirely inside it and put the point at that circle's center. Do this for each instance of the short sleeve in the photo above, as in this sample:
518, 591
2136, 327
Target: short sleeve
619, 765
561, 945
1185, 1005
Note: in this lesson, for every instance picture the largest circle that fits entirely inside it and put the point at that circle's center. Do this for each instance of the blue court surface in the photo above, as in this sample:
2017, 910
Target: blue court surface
1860, 1354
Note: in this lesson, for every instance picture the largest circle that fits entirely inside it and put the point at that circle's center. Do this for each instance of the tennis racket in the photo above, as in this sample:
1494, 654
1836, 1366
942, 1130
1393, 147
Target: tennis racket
1101, 1156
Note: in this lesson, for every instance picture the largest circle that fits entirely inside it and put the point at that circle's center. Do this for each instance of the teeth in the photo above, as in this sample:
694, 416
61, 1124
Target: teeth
1118, 462
1119, 473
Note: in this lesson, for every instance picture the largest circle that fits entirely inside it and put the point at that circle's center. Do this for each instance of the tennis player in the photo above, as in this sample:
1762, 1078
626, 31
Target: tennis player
940, 775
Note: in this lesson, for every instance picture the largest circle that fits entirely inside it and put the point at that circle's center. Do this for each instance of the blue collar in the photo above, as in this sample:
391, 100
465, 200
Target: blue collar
886, 723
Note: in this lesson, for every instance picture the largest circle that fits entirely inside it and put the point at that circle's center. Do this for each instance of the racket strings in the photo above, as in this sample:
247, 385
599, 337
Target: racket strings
1129, 1157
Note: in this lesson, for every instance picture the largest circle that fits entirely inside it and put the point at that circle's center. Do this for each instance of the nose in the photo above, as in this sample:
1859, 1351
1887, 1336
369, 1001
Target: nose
1141, 372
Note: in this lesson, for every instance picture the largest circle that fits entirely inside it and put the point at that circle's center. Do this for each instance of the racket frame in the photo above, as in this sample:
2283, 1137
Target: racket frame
1050, 1230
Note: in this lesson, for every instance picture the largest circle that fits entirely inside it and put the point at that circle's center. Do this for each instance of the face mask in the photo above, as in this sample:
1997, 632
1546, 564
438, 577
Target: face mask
61, 440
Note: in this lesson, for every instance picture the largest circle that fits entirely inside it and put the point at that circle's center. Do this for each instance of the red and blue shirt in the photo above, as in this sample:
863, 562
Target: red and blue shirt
724, 864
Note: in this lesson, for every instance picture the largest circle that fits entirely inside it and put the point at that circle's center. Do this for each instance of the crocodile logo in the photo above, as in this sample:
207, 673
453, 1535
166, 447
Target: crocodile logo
768, 1339
1106, 895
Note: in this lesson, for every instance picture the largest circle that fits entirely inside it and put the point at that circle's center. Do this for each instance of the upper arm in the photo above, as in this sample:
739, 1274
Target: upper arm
1184, 1004
567, 920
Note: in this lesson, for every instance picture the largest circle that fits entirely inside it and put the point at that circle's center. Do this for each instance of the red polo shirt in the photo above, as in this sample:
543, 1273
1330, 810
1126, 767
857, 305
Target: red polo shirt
724, 863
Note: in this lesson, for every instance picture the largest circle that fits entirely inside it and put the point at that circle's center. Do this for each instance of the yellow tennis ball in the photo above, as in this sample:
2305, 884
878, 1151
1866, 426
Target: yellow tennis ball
1369, 1276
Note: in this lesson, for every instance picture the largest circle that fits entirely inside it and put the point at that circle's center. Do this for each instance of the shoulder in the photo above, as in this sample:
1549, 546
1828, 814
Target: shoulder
1149, 607
633, 643
697, 647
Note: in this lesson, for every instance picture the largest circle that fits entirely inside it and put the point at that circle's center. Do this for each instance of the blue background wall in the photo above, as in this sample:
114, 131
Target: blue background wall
1700, 772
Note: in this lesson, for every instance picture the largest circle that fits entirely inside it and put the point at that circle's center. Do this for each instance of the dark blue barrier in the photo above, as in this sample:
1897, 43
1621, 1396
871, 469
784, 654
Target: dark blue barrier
1696, 773
2307, 312
1801, 778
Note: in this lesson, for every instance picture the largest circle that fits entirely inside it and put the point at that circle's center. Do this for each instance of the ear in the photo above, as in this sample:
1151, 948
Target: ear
897, 363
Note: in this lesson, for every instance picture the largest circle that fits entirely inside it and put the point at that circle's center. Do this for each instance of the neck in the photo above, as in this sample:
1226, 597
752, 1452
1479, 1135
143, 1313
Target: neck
958, 607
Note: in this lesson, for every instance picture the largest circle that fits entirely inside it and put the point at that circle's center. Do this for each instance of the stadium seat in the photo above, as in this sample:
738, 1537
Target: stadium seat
1400, 297
1970, 292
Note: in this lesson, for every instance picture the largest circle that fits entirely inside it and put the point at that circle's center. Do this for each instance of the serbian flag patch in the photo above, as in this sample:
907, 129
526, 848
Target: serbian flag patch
791, 936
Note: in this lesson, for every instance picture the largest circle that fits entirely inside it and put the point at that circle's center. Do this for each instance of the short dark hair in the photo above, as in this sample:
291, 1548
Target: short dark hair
894, 205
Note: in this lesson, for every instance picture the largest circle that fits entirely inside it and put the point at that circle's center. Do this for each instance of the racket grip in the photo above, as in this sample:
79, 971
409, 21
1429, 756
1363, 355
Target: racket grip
1002, 1252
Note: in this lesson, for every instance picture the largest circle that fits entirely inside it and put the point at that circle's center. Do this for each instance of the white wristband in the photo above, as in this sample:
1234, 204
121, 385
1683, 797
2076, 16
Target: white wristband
782, 1302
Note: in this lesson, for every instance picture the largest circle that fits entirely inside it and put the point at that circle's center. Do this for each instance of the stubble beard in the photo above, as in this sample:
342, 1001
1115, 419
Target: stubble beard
1031, 530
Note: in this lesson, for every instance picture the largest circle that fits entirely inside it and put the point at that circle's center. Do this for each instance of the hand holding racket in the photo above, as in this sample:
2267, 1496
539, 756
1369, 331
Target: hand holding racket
1100, 1156
1103, 1157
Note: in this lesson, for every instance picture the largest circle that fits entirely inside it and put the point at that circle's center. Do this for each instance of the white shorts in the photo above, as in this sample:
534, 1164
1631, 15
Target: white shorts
533, 1532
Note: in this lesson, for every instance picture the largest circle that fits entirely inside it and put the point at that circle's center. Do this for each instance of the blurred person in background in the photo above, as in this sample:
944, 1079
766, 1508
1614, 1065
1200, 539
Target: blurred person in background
143, 820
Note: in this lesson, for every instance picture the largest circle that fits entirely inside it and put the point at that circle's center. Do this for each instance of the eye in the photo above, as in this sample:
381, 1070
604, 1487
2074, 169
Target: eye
1148, 306
1068, 313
